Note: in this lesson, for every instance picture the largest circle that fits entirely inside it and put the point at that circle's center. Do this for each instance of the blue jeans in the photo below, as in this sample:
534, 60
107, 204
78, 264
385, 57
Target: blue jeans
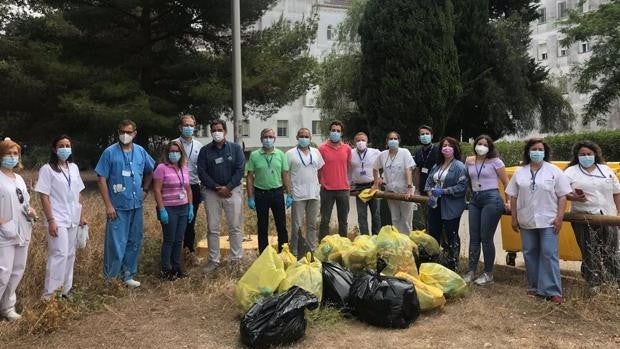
173, 233
485, 210
123, 239
446, 232
270, 199
542, 264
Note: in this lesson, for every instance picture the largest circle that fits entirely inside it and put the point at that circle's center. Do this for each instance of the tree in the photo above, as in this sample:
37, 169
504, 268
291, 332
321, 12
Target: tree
409, 68
600, 75
79, 66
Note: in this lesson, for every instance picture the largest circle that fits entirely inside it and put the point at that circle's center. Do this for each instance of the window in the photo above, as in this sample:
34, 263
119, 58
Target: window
562, 9
330, 32
282, 128
310, 98
586, 6
563, 84
316, 127
562, 51
245, 128
542, 15
584, 47
542, 51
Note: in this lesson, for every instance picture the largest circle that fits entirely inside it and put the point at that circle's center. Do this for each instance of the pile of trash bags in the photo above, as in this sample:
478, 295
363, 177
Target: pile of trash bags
384, 280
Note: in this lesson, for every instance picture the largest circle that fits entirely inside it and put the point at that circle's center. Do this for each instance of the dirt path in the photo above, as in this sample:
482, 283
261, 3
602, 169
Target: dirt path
200, 313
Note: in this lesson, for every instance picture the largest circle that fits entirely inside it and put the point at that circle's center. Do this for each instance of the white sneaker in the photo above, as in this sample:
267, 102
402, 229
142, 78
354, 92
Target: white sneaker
11, 315
131, 283
484, 279
468, 277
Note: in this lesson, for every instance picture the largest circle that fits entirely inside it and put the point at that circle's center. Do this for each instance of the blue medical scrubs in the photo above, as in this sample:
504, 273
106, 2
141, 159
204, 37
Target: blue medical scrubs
123, 235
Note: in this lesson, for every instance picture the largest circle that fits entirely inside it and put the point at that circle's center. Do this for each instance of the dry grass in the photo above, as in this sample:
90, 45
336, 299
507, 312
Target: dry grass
200, 312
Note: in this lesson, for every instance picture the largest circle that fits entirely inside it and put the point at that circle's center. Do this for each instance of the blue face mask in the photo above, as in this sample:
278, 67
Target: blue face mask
586, 160
9, 161
303, 142
426, 139
268, 142
537, 155
187, 131
63, 153
392, 143
174, 156
334, 136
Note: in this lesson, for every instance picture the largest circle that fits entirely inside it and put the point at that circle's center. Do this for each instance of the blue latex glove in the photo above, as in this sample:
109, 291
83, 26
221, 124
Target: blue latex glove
163, 215
289, 200
190, 213
251, 204
437, 192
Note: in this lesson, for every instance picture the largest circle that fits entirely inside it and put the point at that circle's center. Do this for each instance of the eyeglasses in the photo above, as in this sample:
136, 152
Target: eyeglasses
20, 195
125, 132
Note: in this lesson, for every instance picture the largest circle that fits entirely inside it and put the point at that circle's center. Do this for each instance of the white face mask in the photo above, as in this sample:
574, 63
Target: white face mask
218, 136
125, 138
482, 149
361, 145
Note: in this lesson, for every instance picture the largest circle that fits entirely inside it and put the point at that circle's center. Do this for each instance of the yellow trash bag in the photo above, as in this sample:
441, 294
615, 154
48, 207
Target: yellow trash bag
367, 194
428, 247
451, 283
306, 274
260, 280
332, 247
362, 255
288, 258
430, 297
396, 250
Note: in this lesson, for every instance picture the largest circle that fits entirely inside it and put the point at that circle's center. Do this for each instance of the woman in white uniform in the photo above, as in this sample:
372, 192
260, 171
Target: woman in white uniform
397, 164
16, 217
595, 191
59, 186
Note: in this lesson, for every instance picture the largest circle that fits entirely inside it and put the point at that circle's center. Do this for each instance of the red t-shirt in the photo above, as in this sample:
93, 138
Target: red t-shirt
334, 174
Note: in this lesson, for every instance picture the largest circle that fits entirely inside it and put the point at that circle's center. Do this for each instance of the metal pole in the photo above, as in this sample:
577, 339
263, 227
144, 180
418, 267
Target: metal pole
236, 55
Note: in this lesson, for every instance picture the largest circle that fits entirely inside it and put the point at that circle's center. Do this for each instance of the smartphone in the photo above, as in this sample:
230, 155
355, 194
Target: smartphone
578, 191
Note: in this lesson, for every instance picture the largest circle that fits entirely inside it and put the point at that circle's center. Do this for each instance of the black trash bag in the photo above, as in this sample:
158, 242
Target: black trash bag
425, 257
277, 319
336, 284
384, 301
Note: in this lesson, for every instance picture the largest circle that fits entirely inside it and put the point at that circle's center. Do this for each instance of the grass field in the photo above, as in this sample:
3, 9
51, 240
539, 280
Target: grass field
200, 312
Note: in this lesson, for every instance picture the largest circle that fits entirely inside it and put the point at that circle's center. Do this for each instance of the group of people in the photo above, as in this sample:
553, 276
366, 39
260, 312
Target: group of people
310, 181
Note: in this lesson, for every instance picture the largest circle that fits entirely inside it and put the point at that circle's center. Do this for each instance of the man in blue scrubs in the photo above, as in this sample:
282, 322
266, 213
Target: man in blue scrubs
123, 170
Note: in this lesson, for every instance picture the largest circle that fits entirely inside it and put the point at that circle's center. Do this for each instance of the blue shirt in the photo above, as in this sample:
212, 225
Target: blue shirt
123, 173
218, 167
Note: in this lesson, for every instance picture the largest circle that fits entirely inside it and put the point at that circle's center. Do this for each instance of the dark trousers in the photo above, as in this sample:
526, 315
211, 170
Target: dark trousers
341, 199
171, 246
189, 240
446, 232
270, 199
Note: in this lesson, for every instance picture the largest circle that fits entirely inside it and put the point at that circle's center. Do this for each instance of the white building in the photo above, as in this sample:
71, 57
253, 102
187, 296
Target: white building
545, 47
303, 111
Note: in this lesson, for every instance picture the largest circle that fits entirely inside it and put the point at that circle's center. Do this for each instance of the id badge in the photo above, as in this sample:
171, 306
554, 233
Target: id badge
126, 173
362, 172
424, 170
182, 195
219, 160
70, 196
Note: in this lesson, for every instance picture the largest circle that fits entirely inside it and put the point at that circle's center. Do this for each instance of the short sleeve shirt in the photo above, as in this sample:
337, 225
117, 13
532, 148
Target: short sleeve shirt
394, 169
483, 174
123, 172
537, 194
362, 164
267, 168
63, 188
174, 182
303, 169
335, 173
599, 186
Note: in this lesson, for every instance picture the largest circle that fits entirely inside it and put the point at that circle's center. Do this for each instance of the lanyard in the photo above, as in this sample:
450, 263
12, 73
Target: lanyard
301, 158
191, 150
478, 172
180, 177
534, 174
442, 170
362, 157
389, 158
268, 160
128, 161
592, 175
425, 158
67, 176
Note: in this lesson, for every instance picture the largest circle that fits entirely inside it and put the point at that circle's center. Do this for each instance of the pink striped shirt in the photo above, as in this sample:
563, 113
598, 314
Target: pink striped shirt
174, 183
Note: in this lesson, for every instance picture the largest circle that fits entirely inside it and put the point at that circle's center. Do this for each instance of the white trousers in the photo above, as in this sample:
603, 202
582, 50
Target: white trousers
402, 215
12, 266
232, 206
60, 261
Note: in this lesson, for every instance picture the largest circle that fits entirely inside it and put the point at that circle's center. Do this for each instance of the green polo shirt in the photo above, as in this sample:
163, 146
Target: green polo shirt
267, 168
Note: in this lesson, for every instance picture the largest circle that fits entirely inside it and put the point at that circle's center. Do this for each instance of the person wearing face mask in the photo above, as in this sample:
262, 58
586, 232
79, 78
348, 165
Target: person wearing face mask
538, 192
595, 191
267, 182
187, 125
485, 170
59, 185
125, 172
361, 175
425, 157
16, 217
304, 163
334, 179
397, 165
173, 196
446, 186
220, 168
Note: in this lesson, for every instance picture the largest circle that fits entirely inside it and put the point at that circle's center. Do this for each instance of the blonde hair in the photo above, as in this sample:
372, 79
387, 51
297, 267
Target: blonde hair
8, 144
